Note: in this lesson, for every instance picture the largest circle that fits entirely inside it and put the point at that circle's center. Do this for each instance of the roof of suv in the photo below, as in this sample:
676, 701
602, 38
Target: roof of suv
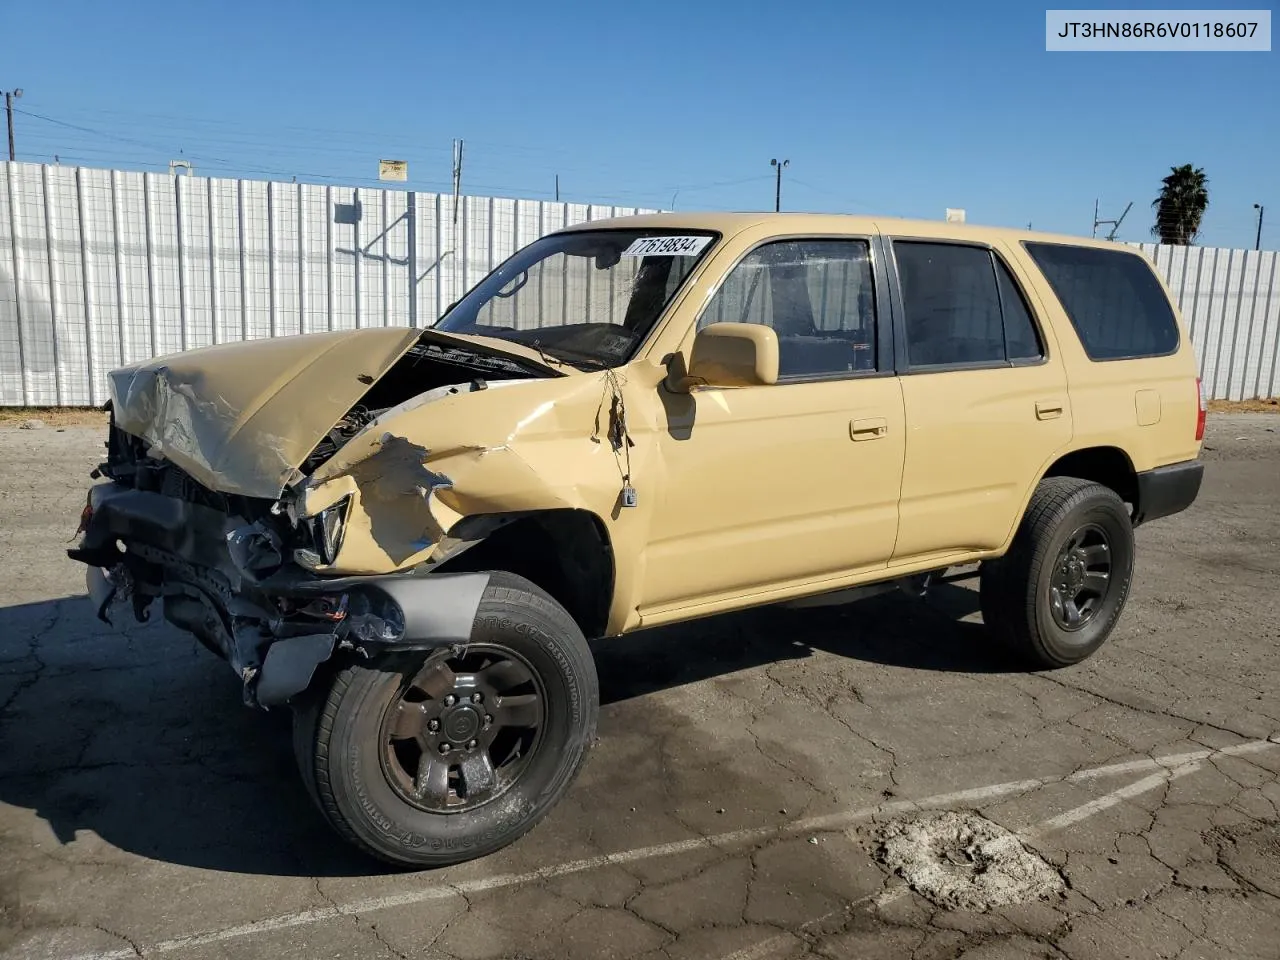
731, 223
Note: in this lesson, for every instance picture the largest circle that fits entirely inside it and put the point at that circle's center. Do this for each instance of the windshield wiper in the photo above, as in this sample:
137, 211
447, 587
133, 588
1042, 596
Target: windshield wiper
558, 359
548, 358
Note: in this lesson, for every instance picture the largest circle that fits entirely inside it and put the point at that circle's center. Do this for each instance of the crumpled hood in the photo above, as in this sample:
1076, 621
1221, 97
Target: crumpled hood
242, 417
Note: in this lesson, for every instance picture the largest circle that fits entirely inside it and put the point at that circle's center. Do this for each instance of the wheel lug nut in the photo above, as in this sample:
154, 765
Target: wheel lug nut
433, 725
476, 698
487, 720
450, 700
445, 748
471, 745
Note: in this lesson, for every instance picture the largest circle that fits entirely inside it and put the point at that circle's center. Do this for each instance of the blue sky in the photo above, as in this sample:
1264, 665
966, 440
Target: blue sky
900, 109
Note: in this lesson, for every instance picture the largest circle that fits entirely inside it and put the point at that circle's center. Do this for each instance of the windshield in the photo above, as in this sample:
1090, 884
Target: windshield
587, 298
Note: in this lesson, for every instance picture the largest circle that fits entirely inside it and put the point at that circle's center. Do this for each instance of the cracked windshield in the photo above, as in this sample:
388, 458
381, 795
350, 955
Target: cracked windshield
587, 299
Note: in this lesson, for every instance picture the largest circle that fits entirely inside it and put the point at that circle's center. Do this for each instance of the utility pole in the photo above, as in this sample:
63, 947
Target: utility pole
9, 97
557, 188
1257, 244
457, 176
777, 193
1115, 224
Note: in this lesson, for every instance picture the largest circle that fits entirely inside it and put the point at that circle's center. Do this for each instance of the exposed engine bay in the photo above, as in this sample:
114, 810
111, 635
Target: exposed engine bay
238, 571
426, 366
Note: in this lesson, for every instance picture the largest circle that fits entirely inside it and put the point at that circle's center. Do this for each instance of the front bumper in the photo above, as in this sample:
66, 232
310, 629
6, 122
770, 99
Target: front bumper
275, 624
1165, 491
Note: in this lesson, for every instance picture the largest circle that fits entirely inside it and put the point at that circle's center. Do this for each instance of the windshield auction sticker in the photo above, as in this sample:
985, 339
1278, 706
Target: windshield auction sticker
666, 247
1125, 30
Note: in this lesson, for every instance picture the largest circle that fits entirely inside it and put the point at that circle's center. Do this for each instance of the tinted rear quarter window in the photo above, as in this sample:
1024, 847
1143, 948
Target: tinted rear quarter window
1112, 298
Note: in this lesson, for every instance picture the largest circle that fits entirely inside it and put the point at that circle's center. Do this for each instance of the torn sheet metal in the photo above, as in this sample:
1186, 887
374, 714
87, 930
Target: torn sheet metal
418, 469
242, 417
394, 517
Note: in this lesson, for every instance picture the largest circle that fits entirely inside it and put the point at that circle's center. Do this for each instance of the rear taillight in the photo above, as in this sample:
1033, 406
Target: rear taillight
1199, 410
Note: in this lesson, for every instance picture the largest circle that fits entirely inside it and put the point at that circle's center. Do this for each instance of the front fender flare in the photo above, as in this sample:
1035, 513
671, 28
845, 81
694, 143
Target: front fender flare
439, 611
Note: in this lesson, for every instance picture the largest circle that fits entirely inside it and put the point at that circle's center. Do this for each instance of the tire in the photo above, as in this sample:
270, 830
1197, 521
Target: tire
350, 745
1028, 595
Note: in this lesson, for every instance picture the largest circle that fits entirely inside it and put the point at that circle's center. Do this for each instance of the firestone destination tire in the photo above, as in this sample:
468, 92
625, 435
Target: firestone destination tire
1055, 597
429, 761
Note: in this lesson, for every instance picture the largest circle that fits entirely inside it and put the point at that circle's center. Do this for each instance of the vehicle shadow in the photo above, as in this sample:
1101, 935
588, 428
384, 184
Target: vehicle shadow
892, 629
138, 737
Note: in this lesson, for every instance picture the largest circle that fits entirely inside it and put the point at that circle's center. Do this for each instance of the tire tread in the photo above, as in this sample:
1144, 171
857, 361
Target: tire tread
505, 590
1007, 593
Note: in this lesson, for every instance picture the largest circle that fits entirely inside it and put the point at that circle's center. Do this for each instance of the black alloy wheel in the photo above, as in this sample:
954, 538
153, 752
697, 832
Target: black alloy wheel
461, 731
1081, 577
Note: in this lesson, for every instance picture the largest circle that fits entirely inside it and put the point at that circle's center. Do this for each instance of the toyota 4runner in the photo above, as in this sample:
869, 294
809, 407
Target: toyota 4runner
407, 536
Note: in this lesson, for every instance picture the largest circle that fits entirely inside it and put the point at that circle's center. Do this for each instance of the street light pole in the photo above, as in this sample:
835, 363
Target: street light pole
777, 193
1257, 244
9, 96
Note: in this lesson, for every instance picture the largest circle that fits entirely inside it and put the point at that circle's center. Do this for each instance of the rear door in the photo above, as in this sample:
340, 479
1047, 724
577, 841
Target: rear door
984, 392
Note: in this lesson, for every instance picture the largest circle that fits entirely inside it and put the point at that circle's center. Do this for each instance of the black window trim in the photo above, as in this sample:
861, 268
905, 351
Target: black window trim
1177, 326
905, 368
886, 330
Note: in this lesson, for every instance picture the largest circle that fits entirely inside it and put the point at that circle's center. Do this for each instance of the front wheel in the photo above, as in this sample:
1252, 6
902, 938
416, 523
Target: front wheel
432, 760
1055, 597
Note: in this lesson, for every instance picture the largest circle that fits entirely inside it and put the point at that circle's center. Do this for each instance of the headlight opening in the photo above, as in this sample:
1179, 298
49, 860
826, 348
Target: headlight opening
327, 529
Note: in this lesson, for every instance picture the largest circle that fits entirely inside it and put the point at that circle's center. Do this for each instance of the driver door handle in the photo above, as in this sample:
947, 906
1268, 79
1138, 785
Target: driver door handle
871, 428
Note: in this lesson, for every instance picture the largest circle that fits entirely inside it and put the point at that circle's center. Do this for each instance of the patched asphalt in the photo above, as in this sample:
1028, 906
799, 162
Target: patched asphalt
748, 796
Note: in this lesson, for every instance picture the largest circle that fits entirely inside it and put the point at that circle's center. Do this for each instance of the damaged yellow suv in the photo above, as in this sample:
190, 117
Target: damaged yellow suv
409, 535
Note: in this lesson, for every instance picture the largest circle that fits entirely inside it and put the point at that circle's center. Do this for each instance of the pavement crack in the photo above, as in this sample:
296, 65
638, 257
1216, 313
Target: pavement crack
132, 944
32, 677
360, 922
1150, 711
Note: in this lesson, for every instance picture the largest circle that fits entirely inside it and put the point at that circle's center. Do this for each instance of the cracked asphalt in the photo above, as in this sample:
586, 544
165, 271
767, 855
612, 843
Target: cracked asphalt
735, 803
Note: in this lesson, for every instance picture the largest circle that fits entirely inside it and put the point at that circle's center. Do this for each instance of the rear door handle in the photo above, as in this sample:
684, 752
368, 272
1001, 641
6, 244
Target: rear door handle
1048, 409
872, 428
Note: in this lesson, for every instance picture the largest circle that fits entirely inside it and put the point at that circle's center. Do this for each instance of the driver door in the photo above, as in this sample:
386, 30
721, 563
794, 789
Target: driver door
769, 487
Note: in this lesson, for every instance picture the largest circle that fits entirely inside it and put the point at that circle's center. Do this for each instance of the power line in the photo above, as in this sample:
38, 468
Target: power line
85, 149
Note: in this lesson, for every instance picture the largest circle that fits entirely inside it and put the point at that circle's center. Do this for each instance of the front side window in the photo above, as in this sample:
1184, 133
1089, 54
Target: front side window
588, 298
962, 307
1113, 299
817, 295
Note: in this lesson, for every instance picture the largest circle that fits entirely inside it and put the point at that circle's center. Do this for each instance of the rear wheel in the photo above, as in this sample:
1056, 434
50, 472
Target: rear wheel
428, 760
1055, 597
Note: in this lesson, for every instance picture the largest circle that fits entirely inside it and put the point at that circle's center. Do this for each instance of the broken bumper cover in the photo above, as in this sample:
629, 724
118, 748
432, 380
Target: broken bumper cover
274, 630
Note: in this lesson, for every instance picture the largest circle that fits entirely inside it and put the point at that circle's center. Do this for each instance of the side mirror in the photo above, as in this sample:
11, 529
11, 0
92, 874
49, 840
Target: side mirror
730, 355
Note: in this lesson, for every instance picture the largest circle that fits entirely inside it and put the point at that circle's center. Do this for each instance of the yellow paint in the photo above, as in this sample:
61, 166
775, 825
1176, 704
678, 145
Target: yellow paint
749, 491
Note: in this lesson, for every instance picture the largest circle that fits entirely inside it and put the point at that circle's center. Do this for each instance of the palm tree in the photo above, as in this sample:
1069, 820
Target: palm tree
1181, 205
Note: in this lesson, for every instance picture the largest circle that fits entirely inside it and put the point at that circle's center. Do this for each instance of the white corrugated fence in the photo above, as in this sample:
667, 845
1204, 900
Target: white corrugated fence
99, 268
1230, 300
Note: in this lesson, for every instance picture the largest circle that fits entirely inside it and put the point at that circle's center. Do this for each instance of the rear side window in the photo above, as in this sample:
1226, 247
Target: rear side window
961, 307
1112, 298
